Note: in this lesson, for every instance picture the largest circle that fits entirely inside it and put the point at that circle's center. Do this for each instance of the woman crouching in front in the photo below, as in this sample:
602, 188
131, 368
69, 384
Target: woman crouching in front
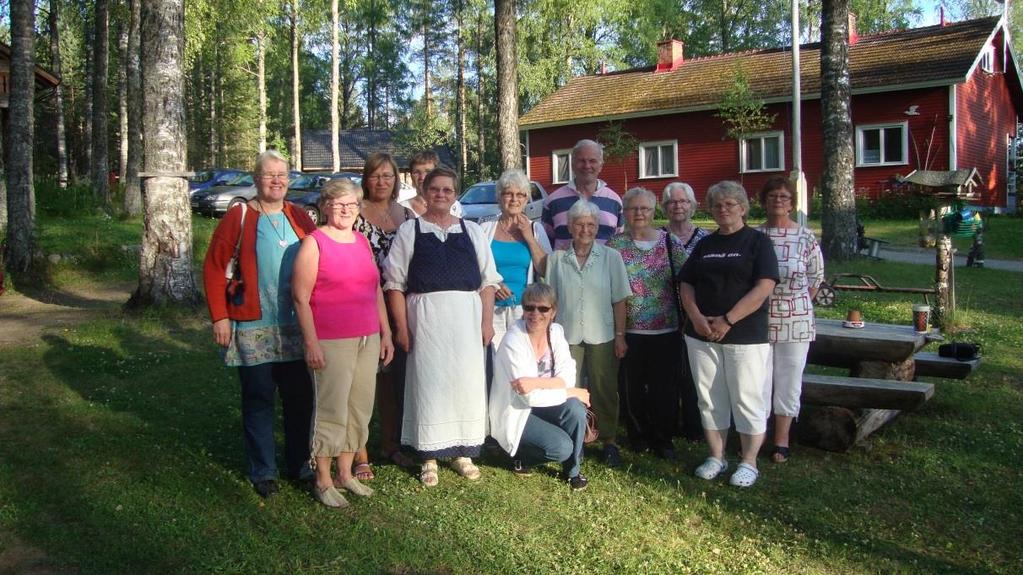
340, 308
536, 412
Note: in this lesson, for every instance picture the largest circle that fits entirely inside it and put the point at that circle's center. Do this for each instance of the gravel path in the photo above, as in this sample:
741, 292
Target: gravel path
911, 255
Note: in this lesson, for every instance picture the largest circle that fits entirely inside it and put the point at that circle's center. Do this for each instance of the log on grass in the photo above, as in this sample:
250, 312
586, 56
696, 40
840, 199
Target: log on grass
838, 428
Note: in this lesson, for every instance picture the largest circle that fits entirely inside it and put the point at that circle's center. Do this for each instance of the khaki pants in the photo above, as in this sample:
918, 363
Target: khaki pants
596, 369
345, 390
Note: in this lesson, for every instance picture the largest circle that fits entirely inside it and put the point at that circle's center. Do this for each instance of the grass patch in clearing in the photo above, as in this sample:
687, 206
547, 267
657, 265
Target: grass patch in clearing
121, 452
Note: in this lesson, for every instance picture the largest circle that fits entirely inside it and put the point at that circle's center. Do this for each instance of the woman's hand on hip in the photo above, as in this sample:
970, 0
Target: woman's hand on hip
386, 348
222, 332
314, 356
502, 292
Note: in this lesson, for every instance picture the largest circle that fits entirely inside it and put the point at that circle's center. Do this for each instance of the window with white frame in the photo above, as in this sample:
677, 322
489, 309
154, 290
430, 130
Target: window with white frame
561, 166
987, 59
762, 152
658, 159
882, 144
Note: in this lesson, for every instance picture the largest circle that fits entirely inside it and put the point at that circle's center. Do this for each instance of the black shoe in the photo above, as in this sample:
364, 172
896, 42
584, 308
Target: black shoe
521, 470
578, 483
612, 457
666, 453
266, 488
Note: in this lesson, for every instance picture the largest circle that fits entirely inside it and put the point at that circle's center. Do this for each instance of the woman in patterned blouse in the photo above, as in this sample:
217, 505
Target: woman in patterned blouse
652, 372
380, 216
791, 323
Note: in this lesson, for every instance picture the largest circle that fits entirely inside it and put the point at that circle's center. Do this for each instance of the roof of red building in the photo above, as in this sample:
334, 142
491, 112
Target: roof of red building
928, 56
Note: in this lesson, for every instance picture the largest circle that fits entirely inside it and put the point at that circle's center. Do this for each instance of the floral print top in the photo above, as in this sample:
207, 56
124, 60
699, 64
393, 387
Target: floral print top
689, 243
653, 306
379, 240
801, 268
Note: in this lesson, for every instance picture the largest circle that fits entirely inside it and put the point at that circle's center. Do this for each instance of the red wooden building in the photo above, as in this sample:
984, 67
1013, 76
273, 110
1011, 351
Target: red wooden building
940, 97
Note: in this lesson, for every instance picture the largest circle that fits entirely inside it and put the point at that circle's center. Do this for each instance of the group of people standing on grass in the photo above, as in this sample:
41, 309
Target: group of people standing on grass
510, 328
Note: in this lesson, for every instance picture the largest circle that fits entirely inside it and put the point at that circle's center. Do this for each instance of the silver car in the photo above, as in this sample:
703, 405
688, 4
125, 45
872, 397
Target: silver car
217, 200
479, 202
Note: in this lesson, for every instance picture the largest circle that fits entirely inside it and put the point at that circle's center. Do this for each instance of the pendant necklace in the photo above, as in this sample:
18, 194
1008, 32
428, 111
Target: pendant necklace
274, 224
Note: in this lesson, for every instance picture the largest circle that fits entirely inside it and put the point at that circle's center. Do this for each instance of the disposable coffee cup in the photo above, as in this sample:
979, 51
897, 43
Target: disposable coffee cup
921, 318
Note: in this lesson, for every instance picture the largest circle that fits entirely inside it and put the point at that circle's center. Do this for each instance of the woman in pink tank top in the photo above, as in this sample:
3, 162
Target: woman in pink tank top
340, 308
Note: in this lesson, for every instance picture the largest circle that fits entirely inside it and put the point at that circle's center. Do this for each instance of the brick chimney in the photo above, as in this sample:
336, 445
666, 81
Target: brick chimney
854, 35
669, 55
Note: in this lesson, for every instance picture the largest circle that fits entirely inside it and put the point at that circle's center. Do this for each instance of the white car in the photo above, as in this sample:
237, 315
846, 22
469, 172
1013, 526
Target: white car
479, 202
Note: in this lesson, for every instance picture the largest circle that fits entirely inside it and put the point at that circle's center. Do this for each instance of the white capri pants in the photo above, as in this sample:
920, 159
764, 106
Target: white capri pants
504, 318
730, 381
785, 365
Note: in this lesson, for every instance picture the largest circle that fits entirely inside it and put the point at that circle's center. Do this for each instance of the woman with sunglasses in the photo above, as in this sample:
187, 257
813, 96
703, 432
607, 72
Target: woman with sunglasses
340, 308
536, 412
725, 284
651, 375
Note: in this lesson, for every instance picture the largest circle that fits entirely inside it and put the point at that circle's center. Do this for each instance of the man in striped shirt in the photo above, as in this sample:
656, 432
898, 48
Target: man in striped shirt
587, 161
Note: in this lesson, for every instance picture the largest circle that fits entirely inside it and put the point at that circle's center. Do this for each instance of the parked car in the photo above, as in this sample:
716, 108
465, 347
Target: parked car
216, 200
306, 193
206, 179
479, 202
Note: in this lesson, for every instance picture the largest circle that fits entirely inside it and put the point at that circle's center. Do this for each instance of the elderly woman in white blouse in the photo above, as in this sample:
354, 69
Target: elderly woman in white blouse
440, 278
520, 249
536, 412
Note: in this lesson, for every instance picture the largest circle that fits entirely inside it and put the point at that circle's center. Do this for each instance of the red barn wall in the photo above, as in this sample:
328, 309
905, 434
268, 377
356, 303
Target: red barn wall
705, 156
985, 116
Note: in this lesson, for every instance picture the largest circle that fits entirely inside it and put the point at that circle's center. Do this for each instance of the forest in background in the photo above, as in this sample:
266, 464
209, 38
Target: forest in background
423, 69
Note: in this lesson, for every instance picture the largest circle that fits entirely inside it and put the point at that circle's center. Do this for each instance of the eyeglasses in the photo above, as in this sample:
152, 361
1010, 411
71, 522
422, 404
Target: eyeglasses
678, 202
274, 176
381, 178
726, 206
639, 209
539, 308
345, 206
518, 195
437, 190
779, 198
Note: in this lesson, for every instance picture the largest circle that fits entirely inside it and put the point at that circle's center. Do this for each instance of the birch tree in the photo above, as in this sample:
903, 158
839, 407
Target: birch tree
507, 84
335, 80
838, 209
165, 268
296, 84
21, 208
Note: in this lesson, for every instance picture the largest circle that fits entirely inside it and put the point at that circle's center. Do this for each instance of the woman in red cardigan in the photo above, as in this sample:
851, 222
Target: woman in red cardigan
256, 325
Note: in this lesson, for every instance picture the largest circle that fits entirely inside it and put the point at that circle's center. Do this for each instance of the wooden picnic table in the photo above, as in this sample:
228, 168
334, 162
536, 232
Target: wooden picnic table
875, 352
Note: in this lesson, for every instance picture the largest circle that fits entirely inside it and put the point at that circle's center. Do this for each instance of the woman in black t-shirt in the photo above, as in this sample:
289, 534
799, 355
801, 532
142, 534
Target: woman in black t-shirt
725, 285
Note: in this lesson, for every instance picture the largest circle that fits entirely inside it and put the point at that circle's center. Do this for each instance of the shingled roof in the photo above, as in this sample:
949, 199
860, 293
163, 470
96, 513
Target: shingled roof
928, 56
355, 146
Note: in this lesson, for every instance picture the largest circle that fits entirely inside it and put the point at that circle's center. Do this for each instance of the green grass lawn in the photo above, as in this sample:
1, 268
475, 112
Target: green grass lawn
121, 452
1003, 240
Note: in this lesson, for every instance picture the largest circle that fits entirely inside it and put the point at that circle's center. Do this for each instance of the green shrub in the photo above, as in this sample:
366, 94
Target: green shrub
73, 201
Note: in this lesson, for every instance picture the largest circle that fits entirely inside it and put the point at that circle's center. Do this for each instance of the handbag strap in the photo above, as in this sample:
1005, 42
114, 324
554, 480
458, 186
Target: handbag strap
672, 280
241, 232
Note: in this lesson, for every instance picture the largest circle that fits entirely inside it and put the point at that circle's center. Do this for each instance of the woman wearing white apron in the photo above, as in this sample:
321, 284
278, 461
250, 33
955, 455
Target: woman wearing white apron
440, 280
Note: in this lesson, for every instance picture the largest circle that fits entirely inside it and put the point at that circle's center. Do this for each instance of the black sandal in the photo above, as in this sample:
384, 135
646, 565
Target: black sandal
780, 454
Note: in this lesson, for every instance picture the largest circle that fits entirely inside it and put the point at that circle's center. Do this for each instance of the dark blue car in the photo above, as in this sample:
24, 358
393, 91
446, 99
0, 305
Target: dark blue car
206, 179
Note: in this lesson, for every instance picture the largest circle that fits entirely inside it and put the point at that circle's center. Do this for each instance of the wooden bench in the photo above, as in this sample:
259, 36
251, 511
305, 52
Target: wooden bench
933, 365
859, 393
841, 411
874, 246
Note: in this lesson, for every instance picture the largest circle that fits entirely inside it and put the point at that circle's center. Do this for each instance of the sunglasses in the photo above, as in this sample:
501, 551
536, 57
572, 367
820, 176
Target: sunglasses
539, 308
